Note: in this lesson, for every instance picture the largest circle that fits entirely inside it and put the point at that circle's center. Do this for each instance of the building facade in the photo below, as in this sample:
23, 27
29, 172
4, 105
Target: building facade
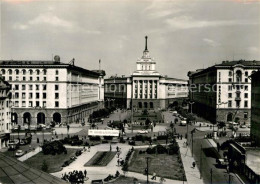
145, 88
5, 114
223, 92
255, 108
45, 91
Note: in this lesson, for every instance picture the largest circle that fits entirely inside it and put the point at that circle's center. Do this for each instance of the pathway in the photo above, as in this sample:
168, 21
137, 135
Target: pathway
30, 154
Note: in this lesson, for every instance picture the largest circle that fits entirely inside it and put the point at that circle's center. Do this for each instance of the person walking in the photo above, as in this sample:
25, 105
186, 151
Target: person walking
85, 173
154, 176
193, 165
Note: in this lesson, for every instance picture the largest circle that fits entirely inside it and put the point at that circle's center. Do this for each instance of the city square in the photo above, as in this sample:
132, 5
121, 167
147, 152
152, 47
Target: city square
77, 104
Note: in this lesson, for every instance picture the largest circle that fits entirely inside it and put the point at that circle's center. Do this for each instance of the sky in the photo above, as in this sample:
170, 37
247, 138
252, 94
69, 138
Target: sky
183, 35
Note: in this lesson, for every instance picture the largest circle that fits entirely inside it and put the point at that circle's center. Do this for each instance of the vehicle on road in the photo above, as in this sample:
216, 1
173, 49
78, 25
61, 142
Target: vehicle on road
142, 132
174, 113
19, 153
242, 126
222, 162
183, 123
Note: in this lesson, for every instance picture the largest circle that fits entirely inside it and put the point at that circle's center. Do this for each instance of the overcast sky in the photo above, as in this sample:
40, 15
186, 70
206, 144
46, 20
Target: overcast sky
183, 35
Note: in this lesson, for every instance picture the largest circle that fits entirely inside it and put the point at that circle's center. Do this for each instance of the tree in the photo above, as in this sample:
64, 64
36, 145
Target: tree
44, 166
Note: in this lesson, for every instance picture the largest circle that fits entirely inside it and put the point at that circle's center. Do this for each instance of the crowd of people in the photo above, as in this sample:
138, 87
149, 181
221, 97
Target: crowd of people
75, 176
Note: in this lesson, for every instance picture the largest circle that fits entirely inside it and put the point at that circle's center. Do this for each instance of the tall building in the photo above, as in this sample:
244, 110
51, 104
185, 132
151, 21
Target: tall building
223, 92
146, 88
45, 91
5, 114
255, 108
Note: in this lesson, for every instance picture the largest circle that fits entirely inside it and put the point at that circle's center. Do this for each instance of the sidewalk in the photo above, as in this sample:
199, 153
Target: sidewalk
192, 174
30, 154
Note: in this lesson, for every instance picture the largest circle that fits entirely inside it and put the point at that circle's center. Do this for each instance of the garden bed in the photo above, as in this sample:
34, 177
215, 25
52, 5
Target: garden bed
167, 166
101, 158
54, 162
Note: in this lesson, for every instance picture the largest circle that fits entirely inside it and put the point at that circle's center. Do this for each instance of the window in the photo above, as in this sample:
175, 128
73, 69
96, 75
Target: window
238, 104
3, 71
56, 95
37, 103
17, 72
56, 87
44, 72
38, 72
57, 72
31, 78
44, 103
246, 88
23, 87
37, 87
23, 96
30, 87
24, 72
16, 87
229, 95
44, 87
246, 103
24, 78
16, 104
246, 95
57, 78
10, 78
229, 79
16, 95
10, 72
31, 72
37, 78
44, 95
30, 95
44, 78
246, 73
23, 104
30, 103
37, 95
245, 115
229, 103
229, 88
229, 73
56, 104
246, 79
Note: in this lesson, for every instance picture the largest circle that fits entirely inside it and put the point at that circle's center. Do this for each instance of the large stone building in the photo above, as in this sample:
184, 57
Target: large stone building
255, 108
5, 114
45, 91
146, 88
223, 92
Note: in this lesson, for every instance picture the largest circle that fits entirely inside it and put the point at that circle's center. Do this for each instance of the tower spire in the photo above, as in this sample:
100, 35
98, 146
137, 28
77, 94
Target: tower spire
146, 37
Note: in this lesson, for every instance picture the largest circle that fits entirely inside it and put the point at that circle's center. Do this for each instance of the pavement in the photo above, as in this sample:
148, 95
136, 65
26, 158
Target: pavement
30, 154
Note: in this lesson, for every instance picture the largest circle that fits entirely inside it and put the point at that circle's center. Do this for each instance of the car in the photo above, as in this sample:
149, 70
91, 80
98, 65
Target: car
174, 113
142, 132
222, 162
19, 153
242, 126
42, 125
183, 123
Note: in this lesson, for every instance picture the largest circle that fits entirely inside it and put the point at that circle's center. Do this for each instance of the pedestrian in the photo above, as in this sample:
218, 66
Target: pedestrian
193, 165
85, 173
88, 148
117, 148
154, 176
181, 137
118, 162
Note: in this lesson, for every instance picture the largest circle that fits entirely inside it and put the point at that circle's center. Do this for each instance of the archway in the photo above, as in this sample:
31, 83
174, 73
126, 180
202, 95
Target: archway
230, 117
27, 118
57, 117
140, 106
151, 105
40, 118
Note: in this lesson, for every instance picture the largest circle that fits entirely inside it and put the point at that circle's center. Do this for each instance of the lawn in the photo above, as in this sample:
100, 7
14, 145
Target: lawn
101, 158
54, 162
130, 180
167, 166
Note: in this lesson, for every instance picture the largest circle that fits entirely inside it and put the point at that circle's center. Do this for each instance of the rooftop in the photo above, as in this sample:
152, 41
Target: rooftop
14, 171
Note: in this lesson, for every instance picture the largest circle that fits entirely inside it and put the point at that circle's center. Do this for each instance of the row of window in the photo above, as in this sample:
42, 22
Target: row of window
238, 80
37, 95
145, 81
238, 95
31, 104
10, 78
237, 103
238, 87
30, 87
24, 72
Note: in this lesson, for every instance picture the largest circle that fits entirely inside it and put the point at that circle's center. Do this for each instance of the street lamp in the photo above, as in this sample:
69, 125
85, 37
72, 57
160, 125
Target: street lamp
191, 103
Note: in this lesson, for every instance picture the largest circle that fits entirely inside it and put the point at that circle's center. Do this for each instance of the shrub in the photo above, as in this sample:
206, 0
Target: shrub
149, 151
55, 147
161, 137
173, 149
94, 138
108, 137
44, 166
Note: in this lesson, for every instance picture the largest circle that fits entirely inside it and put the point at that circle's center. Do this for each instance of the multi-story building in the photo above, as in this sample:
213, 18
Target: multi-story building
255, 108
45, 91
146, 88
223, 92
5, 114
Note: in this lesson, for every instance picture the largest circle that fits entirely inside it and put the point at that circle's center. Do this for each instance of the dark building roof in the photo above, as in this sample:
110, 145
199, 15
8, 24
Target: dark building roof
228, 64
13, 171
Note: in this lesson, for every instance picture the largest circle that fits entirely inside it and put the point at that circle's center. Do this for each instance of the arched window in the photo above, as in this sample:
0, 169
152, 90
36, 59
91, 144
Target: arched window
24, 71
31, 72
3, 71
57, 72
17, 72
38, 72
44, 71
230, 73
239, 76
10, 72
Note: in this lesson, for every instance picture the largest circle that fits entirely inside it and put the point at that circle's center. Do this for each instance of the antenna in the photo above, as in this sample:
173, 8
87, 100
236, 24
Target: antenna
99, 63
72, 61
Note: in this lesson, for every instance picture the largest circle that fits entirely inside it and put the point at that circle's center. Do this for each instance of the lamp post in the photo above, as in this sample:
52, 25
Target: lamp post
191, 103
